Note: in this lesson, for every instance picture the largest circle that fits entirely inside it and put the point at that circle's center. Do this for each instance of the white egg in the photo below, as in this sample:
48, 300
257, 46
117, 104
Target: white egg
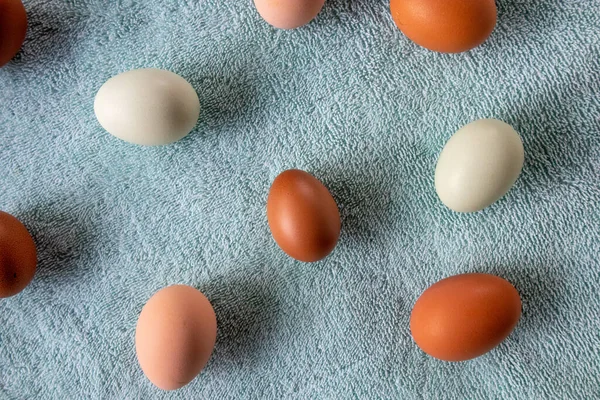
147, 106
478, 165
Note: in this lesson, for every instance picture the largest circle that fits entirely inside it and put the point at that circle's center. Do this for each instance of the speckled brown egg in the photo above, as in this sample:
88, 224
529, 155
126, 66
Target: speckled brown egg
18, 256
465, 316
175, 336
303, 216
447, 26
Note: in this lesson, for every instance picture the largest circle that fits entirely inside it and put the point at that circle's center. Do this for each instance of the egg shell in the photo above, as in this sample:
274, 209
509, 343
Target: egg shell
478, 165
288, 14
465, 316
18, 256
303, 216
13, 28
175, 336
447, 26
147, 106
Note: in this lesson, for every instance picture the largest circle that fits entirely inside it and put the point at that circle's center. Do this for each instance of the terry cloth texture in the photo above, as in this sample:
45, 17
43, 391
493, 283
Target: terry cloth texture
351, 100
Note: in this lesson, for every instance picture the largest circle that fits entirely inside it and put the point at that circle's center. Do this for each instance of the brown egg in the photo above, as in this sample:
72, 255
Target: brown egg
175, 336
303, 216
465, 316
18, 256
13, 26
447, 26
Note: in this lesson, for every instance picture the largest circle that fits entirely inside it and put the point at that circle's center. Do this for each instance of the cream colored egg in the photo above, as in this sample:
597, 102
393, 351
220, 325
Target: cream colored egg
147, 106
288, 14
478, 165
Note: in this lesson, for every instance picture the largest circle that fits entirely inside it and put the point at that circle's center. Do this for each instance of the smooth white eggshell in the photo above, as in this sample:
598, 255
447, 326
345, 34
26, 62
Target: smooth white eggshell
478, 165
147, 106
288, 14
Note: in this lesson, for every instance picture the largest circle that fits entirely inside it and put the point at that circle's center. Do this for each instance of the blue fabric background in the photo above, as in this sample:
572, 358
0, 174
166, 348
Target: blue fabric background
349, 99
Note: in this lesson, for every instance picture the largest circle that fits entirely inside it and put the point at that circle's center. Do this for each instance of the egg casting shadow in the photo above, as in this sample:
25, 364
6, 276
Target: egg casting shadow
50, 34
540, 289
63, 236
247, 320
224, 101
362, 200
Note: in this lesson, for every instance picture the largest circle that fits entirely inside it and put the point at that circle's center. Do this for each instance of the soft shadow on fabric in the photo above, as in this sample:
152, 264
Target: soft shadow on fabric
247, 320
62, 234
50, 35
550, 148
224, 101
541, 290
514, 17
363, 201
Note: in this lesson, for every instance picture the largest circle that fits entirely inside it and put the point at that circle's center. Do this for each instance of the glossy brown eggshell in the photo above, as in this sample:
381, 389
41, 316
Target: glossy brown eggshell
303, 216
18, 256
465, 316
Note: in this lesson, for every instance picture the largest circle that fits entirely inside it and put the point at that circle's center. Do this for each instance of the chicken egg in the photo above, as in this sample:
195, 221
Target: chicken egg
175, 336
18, 256
303, 216
13, 27
447, 26
478, 165
288, 14
465, 316
147, 106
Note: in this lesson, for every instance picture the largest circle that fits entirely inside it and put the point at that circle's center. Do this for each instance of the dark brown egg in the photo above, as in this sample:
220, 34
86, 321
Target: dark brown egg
18, 256
13, 27
303, 216
465, 316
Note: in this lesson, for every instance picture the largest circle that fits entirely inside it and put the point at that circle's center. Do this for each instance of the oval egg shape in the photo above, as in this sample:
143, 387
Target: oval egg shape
148, 107
288, 14
175, 336
18, 256
13, 28
465, 316
303, 216
447, 26
478, 165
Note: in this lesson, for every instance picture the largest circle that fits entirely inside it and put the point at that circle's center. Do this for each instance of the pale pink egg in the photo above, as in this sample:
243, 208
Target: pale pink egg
175, 336
288, 14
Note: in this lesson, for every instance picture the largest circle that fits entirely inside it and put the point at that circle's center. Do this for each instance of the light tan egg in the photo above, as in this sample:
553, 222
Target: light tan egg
175, 336
288, 14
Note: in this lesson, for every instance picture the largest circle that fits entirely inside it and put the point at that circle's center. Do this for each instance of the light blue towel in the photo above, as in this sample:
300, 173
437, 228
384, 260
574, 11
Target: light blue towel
350, 99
